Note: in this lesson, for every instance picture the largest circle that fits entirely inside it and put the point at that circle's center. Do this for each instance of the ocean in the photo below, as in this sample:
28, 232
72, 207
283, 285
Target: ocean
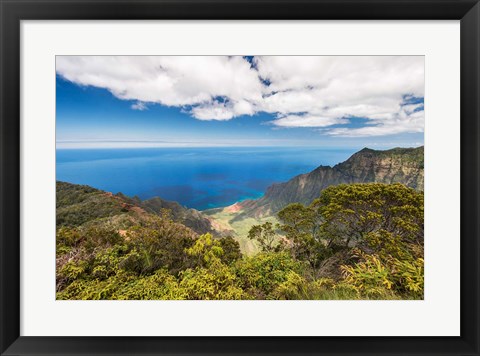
200, 178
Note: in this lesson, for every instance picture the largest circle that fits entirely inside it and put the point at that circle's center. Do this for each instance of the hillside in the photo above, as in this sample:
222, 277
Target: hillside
80, 204
398, 165
356, 241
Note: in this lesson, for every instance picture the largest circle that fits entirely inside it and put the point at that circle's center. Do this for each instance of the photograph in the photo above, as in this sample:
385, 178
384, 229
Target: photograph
244, 177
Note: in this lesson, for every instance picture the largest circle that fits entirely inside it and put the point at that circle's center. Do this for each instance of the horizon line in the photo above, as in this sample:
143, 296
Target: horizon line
355, 147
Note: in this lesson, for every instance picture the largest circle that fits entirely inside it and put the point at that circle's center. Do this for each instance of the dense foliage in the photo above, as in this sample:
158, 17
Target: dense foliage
357, 241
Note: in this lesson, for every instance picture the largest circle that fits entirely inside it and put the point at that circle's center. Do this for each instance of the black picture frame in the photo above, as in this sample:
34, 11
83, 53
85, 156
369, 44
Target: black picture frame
13, 11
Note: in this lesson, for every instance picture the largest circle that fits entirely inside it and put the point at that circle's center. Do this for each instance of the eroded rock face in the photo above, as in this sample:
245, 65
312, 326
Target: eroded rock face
398, 165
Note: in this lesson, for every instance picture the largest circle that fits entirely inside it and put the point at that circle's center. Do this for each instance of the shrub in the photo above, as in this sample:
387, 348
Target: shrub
260, 274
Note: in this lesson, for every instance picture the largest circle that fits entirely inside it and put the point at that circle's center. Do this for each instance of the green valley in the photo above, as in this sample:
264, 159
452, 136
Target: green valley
360, 236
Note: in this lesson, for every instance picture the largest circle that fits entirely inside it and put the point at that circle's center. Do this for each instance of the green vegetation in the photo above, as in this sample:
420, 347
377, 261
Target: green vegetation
239, 228
355, 241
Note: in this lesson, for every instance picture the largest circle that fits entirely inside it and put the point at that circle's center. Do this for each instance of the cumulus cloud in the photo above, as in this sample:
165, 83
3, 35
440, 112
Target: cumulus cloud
389, 124
330, 90
299, 91
226, 110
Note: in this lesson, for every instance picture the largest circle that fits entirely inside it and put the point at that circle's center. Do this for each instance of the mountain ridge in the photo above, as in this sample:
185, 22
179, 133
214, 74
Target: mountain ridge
396, 165
77, 204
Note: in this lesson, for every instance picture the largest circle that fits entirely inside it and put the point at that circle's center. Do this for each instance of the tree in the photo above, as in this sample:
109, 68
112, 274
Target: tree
211, 279
301, 226
385, 219
206, 250
385, 216
297, 221
265, 235
159, 243
231, 250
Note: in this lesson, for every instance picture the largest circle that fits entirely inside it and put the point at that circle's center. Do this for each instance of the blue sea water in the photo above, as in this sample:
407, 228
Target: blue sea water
200, 178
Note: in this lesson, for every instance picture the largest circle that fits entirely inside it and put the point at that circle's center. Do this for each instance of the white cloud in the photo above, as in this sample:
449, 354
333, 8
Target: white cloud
328, 90
167, 80
139, 106
301, 91
308, 121
216, 110
213, 111
391, 124
411, 108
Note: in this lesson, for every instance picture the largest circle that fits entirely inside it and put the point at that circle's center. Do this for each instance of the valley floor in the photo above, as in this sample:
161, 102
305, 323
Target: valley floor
224, 220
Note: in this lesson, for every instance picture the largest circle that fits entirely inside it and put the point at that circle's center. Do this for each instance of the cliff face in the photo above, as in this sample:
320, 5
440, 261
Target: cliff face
398, 165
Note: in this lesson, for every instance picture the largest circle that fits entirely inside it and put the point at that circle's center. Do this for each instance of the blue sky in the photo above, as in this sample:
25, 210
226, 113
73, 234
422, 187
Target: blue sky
134, 102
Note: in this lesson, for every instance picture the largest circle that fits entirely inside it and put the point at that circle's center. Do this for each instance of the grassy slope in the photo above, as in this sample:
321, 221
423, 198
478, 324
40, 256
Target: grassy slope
79, 204
239, 228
